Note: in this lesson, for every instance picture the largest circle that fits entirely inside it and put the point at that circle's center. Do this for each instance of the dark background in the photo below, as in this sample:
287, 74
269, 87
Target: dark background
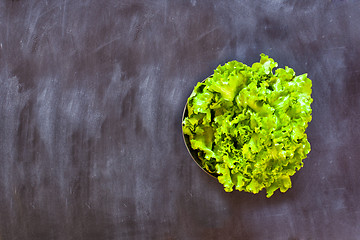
92, 94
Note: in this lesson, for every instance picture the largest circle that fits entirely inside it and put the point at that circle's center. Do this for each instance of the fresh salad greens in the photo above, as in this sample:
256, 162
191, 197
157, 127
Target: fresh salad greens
248, 125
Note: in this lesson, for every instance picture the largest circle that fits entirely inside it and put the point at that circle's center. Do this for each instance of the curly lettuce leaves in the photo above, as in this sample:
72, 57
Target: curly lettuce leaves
248, 125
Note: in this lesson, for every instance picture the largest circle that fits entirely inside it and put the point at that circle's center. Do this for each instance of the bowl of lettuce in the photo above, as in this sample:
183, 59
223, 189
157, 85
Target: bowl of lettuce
245, 125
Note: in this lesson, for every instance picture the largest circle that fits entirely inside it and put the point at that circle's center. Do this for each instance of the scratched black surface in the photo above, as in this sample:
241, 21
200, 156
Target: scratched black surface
92, 94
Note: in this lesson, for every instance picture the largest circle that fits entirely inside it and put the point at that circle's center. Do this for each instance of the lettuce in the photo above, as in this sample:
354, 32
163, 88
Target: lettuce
247, 125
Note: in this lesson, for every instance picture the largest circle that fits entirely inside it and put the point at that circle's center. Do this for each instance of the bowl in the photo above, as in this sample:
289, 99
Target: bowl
193, 153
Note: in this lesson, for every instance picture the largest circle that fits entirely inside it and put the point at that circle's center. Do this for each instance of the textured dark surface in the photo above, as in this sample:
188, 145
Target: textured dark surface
92, 94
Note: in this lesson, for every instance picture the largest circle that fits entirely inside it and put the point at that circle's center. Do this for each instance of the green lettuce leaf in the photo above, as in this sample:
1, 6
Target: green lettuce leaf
248, 125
